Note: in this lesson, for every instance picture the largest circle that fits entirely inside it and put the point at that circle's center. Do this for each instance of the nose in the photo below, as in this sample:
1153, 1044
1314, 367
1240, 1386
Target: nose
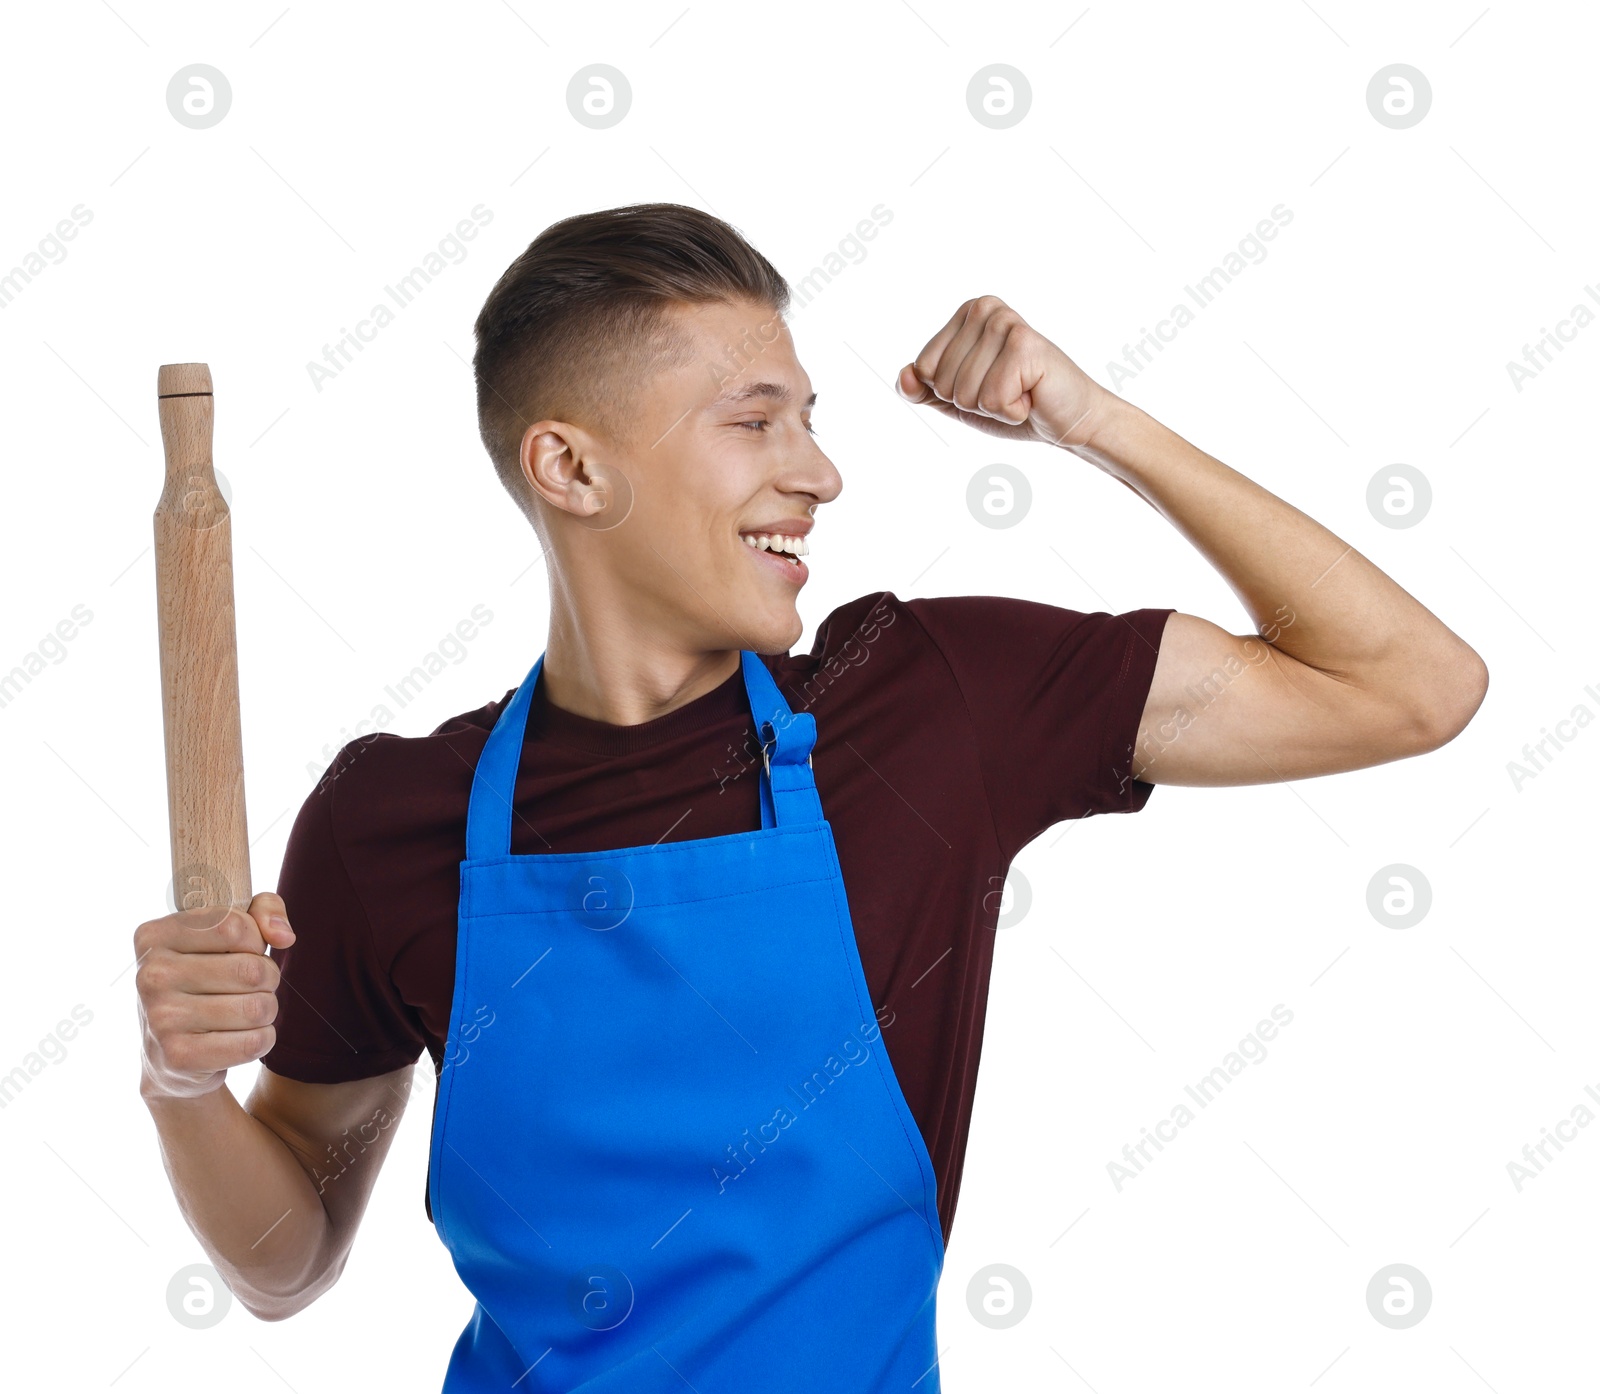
823, 480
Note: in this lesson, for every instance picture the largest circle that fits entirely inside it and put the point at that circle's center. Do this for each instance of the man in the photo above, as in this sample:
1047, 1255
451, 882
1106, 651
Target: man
692, 1095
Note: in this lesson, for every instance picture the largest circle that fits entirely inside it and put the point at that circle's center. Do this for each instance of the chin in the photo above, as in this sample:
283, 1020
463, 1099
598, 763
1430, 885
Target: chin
768, 628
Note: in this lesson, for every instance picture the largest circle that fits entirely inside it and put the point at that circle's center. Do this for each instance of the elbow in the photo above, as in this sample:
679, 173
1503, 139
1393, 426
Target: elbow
281, 1306
290, 1301
268, 1309
1451, 700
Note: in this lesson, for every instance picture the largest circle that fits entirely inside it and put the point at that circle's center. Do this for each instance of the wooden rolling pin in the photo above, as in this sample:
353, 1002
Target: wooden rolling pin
199, 654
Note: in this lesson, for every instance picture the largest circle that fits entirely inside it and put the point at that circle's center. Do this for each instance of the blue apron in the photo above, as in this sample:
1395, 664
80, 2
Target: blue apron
669, 1150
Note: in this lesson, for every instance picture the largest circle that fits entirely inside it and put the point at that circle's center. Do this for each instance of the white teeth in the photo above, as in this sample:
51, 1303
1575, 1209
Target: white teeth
777, 542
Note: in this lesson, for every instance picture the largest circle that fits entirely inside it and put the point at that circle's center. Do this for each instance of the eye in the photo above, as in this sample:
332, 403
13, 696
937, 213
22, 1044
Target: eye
760, 426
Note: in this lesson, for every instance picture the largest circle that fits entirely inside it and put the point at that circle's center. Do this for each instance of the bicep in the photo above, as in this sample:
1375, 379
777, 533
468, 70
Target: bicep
1233, 709
339, 1133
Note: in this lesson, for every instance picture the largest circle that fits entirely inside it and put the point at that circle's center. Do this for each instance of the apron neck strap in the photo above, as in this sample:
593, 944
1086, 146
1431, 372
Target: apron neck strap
788, 791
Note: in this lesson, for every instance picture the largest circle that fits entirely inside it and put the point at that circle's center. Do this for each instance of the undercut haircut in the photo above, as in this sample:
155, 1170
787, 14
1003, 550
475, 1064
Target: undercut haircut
585, 313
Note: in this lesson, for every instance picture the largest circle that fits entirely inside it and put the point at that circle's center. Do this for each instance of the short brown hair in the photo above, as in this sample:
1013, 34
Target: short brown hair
584, 311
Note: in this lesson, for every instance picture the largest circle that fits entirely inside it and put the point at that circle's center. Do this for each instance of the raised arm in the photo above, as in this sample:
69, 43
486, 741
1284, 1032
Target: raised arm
1346, 668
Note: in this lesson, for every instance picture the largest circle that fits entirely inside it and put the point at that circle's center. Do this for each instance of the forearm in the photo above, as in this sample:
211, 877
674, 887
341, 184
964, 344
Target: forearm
1311, 594
248, 1200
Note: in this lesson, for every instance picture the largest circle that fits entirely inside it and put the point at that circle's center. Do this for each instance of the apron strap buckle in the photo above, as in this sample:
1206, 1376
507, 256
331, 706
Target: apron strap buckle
767, 747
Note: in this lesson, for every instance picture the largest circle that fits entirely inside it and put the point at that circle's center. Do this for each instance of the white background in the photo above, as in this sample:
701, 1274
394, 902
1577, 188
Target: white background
368, 522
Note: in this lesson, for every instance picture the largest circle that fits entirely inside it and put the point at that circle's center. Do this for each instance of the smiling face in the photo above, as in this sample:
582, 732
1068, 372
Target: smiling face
650, 535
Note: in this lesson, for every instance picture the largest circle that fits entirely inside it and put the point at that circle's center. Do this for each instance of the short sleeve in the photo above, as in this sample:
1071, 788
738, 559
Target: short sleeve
339, 1016
1055, 697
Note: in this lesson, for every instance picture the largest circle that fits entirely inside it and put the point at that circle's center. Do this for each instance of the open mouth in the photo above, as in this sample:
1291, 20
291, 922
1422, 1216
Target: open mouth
778, 550
789, 548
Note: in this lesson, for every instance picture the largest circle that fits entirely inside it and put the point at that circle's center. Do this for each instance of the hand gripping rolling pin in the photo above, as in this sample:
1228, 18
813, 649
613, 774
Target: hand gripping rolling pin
199, 654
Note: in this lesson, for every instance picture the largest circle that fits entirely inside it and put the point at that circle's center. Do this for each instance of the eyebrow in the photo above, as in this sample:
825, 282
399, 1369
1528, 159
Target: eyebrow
776, 391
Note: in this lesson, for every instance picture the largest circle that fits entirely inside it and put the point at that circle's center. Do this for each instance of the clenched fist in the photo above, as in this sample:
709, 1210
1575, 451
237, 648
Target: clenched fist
989, 369
207, 993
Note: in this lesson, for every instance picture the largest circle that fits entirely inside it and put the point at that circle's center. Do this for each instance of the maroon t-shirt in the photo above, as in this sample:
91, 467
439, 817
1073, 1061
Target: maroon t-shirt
950, 733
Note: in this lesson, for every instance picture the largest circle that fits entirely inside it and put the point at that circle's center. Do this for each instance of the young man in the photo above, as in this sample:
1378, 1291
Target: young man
698, 931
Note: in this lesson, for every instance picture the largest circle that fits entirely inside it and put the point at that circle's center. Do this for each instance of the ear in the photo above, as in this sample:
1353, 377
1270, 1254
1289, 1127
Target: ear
552, 462
563, 466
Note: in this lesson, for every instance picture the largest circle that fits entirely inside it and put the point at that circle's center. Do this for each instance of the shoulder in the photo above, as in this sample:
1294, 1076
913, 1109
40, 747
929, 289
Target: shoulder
873, 636
851, 628
984, 632
959, 629
884, 644
383, 781
1007, 660
860, 621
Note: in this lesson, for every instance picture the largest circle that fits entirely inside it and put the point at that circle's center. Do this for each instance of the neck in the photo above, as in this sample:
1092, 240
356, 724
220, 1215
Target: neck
619, 668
